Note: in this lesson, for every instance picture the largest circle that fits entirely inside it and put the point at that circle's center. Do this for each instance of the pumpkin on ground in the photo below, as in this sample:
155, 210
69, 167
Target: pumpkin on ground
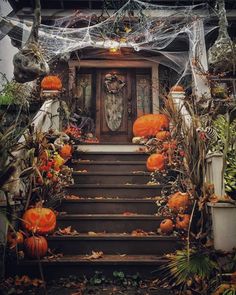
179, 202
163, 135
155, 162
149, 125
39, 220
51, 83
167, 226
182, 221
66, 151
36, 246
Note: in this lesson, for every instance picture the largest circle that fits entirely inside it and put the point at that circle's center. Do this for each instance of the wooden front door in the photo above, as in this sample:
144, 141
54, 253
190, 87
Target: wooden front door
115, 105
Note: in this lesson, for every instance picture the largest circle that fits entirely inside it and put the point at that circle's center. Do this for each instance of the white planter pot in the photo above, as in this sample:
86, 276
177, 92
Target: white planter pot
214, 170
223, 225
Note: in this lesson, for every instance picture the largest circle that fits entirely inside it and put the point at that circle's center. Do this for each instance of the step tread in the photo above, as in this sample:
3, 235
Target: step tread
112, 236
107, 200
94, 162
109, 216
134, 173
109, 153
105, 259
120, 185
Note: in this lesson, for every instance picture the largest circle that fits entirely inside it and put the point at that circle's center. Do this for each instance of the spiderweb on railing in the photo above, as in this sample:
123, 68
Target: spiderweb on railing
137, 25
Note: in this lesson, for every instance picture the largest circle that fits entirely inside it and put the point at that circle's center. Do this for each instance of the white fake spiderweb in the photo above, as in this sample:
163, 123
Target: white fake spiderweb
143, 27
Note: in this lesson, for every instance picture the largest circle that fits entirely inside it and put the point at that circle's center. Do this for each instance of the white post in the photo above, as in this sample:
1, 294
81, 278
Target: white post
178, 99
198, 57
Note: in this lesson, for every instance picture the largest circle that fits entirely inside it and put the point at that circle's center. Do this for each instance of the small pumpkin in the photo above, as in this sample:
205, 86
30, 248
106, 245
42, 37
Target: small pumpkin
179, 202
36, 246
149, 125
66, 151
182, 221
167, 226
39, 220
51, 83
163, 135
177, 88
155, 162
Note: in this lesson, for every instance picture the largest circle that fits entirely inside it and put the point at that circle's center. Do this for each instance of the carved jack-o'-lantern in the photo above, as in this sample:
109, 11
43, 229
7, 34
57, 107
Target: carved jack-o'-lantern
39, 220
149, 125
167, 226
36, 246
178, 202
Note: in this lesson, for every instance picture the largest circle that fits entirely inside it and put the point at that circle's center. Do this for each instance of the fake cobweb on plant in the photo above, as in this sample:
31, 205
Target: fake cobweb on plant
139, 26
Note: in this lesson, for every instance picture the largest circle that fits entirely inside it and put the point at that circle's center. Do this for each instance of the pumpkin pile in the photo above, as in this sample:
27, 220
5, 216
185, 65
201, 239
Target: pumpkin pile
178, 205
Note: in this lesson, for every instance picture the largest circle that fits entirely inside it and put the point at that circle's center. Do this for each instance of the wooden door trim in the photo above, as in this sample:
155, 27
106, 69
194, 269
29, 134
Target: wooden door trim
73, 64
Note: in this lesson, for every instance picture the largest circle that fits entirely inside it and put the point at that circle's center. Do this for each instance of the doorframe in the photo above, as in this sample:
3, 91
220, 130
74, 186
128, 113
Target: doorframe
153, 66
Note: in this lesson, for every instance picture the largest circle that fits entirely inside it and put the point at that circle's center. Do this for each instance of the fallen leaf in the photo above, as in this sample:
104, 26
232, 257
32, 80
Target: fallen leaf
139, 233
127, 213
123, 255
72, 197
66, 231
95, 255
92, 233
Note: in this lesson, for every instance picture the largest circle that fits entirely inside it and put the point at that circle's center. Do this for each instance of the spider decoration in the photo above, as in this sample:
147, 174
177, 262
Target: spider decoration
29, 63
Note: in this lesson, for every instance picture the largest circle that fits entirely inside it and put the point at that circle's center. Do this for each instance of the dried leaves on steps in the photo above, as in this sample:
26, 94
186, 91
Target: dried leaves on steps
66, 231
94, 255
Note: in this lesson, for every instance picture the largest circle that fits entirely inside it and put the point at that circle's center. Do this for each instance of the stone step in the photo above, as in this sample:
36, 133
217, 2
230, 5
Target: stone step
107, 166
108, 206
122, 244
110, 156
80, 266
118, 223
111, 177
109, 147
131, 191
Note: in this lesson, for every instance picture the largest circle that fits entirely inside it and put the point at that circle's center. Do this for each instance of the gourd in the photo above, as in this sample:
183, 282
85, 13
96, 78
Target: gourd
155, 162
178, 202
167, 226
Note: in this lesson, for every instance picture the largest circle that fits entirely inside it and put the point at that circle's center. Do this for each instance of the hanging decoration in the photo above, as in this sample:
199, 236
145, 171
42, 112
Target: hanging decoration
221, 55
114, 101
29, 63
137, 25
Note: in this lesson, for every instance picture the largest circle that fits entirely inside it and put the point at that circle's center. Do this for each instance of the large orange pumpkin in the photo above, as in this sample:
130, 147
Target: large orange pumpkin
167, 226
155, 162
149, 125
179, 202
182, 221
163, 135
39, 220
36, 246
66, 151
51, 83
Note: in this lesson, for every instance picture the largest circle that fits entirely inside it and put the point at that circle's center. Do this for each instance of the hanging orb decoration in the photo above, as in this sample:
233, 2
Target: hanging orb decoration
221, 56
51, 83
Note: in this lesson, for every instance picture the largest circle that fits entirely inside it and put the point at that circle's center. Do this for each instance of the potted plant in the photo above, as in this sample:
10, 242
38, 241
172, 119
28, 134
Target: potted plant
221, 172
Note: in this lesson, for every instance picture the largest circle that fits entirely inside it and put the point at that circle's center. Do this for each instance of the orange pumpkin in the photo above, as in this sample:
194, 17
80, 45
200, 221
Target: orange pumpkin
155, 162
51, 83
149, 125
177, 88
182, 221
163, 135
178, 202
167, 226
39, 220
36, 246
66, 151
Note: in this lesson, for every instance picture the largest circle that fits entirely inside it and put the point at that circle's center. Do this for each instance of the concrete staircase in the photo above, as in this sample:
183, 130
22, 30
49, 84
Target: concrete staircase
113, 200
